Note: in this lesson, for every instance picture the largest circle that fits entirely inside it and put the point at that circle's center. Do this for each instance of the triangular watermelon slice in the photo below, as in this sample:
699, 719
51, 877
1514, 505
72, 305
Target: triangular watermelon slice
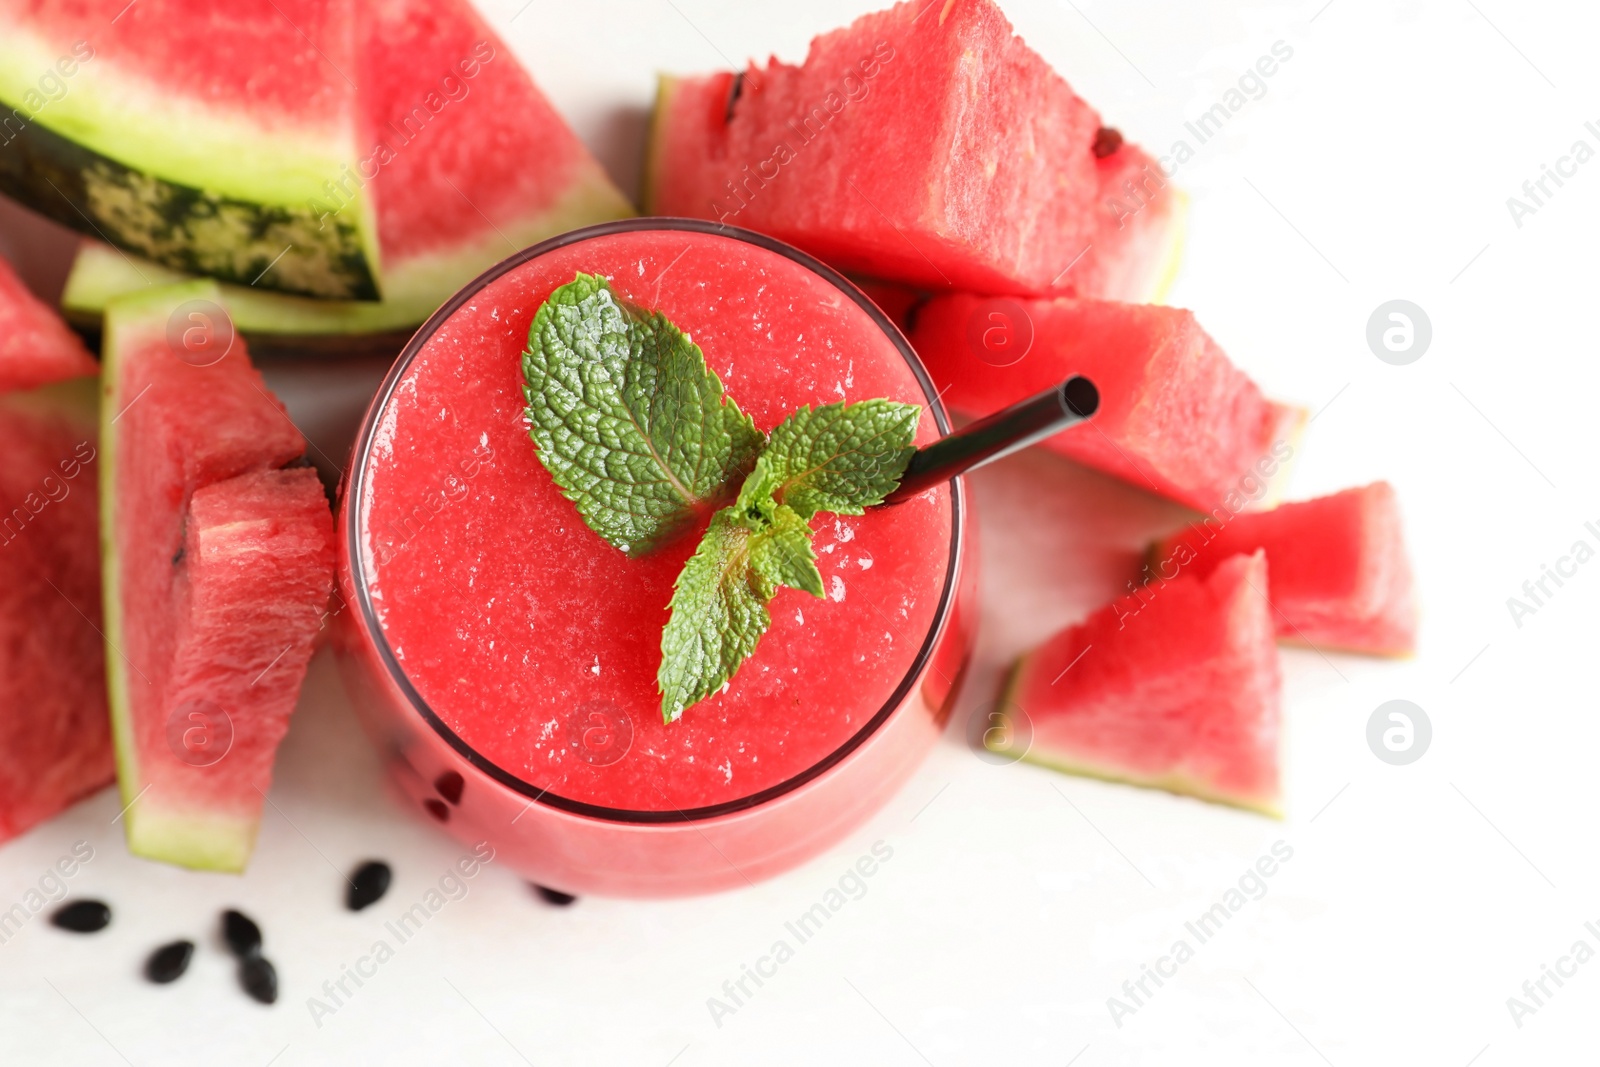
217, 573
1176, 417
1176, 688
469, 163
200, 136
1138, 241
55, 738
1340, 577
36, 347
926, 145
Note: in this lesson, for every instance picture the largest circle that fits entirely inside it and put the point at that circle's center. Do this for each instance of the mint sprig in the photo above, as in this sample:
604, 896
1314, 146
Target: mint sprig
630, 422
635, 430
842, 458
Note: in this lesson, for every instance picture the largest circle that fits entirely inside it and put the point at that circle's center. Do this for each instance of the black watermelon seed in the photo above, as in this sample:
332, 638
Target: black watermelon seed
368, 884
553, 896
437, 809
1106, 141
259, 978
82, 916
167, 963
735, 91
242, 934
450, 785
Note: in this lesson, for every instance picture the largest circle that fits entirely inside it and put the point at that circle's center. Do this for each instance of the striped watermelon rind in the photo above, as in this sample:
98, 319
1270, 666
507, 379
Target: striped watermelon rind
192, 180
186, 628
466, 160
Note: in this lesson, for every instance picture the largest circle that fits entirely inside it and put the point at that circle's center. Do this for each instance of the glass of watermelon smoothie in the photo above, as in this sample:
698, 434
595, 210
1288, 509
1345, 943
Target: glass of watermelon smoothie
504, 656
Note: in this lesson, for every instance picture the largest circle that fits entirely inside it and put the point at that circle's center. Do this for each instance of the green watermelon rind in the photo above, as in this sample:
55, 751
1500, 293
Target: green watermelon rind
415, 289
666, 88
189, 229
1164, 272
76, 398
219, 844
1176, 784
184, 189
1291, 431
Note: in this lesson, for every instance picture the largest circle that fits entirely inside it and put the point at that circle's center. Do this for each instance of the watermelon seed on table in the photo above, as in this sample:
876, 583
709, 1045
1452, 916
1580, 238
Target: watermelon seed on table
368, 885
82, 916
169, 962
259, 978
241, 933
437, 809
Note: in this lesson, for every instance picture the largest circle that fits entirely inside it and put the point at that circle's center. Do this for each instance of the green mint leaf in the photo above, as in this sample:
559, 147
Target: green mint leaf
842, 458
631, 423
719, 601
719, 612
782, 555
780, 548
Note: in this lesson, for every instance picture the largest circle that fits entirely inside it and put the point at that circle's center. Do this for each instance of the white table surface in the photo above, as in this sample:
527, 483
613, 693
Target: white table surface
1418, 898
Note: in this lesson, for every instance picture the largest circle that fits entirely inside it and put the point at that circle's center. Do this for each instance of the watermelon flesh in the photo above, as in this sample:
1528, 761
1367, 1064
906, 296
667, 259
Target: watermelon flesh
926, 145
55, 736
258, 554
36, 347
217, 572
1176, 417
468, 162
1176, 689
1340, 576
1139, 233
495, 170
200, 136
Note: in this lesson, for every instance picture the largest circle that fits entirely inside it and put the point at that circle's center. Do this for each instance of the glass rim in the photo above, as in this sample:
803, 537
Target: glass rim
356, 486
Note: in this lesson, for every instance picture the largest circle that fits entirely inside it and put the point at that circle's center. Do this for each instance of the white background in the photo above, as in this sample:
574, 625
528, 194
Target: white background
1418, 898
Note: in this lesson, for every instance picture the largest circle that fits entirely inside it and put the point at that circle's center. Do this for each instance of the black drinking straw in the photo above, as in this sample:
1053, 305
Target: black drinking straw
1018, 426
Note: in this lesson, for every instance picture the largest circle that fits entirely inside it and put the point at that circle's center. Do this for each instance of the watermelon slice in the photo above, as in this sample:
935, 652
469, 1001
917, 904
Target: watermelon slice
205, 137
55, 737
1175, 688
36, 348
1138, 240
1176, 417
926, 145
217, 571
469, 162
275, 324
1340, 577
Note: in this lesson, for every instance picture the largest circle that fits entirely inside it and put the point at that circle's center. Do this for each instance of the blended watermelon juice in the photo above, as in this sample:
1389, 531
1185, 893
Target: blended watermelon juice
490, 634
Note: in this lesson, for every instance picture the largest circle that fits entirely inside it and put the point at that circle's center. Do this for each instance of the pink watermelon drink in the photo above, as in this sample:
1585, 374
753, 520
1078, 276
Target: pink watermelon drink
489, 632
